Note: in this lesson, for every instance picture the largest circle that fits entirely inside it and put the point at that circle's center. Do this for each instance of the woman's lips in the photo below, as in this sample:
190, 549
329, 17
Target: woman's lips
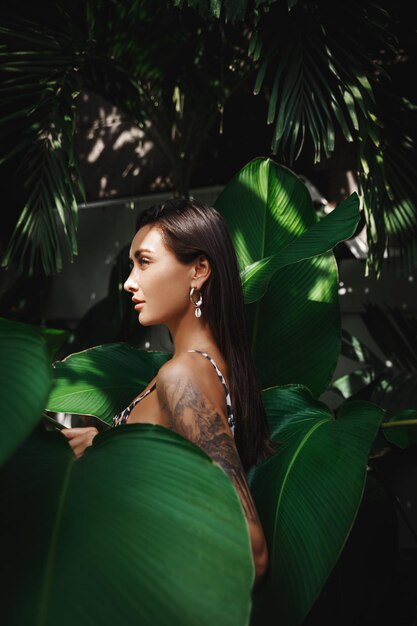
139, 305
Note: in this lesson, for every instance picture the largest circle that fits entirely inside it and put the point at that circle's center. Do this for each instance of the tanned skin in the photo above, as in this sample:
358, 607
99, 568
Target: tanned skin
189, 412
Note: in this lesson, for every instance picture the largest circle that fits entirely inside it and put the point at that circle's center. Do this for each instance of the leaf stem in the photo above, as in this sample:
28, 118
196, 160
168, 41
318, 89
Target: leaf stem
399, 423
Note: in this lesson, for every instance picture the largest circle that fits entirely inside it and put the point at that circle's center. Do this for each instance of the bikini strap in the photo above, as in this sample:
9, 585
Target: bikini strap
230, 419
123, 416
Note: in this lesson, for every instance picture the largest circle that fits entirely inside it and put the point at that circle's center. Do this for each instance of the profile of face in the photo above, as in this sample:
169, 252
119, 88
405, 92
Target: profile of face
159, 280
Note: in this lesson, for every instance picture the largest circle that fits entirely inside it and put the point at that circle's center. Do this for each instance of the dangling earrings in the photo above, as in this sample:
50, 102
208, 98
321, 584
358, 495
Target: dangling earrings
197, 311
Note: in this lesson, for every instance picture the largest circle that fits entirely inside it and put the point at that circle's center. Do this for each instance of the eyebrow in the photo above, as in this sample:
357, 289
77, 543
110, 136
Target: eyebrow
137, 253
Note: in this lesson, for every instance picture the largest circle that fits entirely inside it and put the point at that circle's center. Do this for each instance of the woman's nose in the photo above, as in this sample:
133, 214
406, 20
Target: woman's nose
130, 284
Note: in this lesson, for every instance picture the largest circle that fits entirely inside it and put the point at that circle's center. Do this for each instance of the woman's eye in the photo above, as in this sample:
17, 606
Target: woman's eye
141, 261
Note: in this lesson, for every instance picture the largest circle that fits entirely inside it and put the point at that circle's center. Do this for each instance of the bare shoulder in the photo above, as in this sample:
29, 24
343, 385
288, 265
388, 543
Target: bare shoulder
200, 373
174, 368
185, 398
190, 411
188, 406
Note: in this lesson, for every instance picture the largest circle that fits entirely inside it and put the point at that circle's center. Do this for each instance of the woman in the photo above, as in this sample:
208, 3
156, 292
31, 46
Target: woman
184, 274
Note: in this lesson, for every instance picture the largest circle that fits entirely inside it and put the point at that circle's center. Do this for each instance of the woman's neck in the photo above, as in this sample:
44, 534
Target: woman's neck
191, 334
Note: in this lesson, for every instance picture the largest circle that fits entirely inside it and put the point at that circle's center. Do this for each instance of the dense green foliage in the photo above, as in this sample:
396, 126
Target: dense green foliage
326, 70
145, 514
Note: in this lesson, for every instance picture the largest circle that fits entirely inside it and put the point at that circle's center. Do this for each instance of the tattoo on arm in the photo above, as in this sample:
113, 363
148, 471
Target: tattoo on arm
193, 417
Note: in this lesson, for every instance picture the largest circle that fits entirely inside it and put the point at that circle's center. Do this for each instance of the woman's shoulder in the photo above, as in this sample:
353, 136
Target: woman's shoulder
178, 367
192, 398
191, 375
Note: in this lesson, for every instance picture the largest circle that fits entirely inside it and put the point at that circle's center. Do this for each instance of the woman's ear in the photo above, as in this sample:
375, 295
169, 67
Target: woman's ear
202, 270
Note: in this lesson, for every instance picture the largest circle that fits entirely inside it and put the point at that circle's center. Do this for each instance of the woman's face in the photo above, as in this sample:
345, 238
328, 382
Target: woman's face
158, 278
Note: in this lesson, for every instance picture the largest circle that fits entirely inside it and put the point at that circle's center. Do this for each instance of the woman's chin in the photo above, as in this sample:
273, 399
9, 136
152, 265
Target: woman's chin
144, 320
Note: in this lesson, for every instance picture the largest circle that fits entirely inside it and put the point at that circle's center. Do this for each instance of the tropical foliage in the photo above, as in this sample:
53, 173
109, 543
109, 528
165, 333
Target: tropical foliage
308, 495
390, 381
325, 71
328, 69
24, 365
144, 528
167, 82
276, 234
144, 513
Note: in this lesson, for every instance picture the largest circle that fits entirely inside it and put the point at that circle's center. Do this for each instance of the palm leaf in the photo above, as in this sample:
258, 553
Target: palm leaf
47, 127
323, 68
111, 49
234, 10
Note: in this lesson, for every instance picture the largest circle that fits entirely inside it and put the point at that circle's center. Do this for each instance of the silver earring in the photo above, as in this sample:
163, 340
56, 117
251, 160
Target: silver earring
197, 311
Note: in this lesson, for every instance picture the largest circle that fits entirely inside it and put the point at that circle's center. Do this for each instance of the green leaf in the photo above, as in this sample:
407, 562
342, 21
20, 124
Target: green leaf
25, 380
143, 529
295, 327
102, 380
321, 237
307, 496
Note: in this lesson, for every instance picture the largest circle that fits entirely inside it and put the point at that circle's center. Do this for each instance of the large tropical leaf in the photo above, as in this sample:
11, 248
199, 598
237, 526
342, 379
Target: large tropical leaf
25, 380
295, 328
308, 495
143, 529
337, 226
100, 381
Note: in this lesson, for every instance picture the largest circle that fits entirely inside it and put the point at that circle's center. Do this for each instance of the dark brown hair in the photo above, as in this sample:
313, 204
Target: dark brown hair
191, 229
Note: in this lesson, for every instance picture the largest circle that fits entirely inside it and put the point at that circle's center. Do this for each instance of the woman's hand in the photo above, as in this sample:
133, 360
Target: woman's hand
80, 438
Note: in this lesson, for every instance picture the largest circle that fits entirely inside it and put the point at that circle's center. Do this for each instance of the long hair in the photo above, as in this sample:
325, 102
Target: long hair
190, 229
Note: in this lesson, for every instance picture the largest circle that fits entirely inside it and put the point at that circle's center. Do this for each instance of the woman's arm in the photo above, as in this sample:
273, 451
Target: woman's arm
190, 413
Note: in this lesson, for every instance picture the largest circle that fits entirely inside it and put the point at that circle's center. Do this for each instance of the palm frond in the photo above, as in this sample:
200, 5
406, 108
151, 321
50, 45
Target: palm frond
400, 165
322, 80
321, 65
234, 10
44, 127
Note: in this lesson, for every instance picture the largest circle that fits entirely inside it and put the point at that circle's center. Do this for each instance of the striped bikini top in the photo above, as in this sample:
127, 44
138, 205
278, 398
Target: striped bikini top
122, 417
